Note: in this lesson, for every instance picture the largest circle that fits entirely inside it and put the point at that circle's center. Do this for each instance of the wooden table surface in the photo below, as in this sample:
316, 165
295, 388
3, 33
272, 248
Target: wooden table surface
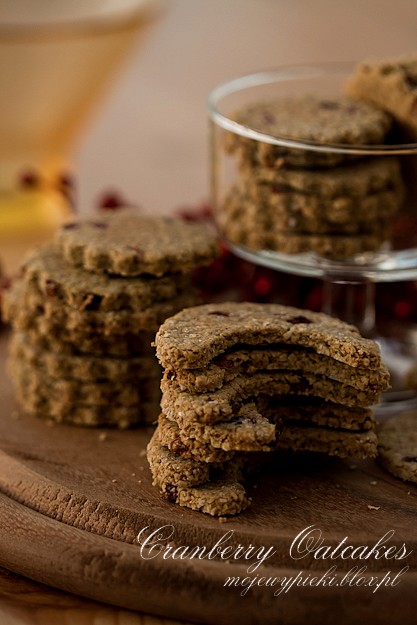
23, 601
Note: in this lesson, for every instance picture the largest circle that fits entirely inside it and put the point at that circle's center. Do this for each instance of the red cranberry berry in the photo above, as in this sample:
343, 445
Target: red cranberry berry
111, 201
29, 179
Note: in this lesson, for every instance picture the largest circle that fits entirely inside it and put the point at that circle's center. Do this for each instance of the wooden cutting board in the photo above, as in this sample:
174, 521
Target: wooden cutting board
72, 502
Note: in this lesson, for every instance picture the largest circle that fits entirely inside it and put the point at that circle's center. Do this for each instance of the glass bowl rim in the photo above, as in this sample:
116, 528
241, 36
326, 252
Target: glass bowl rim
293, 72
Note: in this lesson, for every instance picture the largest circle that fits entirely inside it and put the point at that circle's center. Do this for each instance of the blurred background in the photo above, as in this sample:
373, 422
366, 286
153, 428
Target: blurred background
141, 136
149, 137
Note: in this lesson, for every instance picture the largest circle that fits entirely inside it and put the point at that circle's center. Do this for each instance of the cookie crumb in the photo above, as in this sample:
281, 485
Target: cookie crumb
102, 436
370, 507
373, 483
222, 519
114, 481
133, 474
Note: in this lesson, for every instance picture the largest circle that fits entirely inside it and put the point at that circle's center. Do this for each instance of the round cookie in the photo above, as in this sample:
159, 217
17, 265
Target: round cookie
397, 446
334, 246
23, 303
194, 337
44, 334
263, 207
58, 364
88, 415
354, 180
73, 392
48, 272
311, 119
127, 243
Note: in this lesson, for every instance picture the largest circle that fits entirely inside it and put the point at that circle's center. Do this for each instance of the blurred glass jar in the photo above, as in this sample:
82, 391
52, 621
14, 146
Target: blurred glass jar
56, 60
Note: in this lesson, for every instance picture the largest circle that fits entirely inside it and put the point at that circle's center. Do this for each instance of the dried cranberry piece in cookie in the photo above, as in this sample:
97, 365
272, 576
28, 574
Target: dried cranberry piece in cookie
224, 363
170, 493
98, 224
299, 319
29, 180
111, 201
178, 447
329, 105
135, 248
51, 288
410, 79
220, 313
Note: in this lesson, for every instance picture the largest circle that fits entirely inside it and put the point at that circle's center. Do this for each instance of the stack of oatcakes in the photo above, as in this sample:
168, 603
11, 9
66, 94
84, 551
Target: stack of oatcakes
85, 311
244, 379
296, 200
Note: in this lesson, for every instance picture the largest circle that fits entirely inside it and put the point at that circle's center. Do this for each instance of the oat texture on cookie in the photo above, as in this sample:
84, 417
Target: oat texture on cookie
397, 446
243, 382
81, 349
390, 84
304, 194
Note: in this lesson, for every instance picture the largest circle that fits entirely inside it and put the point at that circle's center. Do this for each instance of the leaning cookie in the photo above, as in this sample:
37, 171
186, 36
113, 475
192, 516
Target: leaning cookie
397, 446
389, 84
127, 243
327, 121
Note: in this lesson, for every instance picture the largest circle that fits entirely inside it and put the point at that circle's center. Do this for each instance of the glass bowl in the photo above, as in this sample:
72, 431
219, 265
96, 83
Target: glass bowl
343, 211
393, 257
